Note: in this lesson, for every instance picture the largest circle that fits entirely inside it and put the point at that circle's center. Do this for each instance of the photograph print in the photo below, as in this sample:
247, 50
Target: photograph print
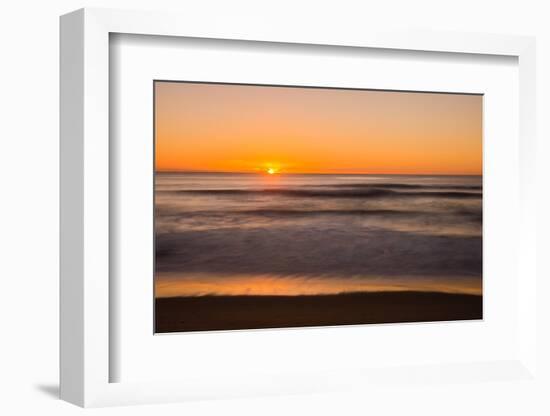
290, 206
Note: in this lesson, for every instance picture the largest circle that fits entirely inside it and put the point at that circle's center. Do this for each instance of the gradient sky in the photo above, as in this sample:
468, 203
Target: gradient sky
242, 128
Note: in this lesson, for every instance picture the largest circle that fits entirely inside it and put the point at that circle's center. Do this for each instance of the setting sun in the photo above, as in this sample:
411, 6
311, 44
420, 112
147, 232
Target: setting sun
272, 171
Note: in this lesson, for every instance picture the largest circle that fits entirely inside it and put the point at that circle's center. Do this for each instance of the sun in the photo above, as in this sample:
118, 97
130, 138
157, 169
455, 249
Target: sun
271, 171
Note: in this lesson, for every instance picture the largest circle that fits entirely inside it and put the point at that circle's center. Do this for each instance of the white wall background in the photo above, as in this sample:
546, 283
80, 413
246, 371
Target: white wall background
29, 206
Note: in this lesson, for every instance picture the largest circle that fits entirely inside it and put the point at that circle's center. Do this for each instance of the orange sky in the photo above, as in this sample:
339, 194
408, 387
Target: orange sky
242, 128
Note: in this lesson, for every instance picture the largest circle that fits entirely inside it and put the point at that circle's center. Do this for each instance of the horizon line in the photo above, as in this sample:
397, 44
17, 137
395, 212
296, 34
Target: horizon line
261, 172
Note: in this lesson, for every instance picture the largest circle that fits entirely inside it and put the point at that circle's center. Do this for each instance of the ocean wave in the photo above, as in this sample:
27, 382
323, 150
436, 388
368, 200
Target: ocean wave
405, 186
273, 212
319, 250
371, 192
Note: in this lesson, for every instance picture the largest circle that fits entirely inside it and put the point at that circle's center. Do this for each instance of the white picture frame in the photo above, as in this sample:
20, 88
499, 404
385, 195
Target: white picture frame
85, 208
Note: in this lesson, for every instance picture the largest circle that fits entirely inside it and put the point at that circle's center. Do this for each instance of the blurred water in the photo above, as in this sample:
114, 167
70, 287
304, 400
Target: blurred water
295, 234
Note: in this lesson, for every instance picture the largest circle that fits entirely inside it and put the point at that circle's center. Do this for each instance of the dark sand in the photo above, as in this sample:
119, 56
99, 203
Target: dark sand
206, 313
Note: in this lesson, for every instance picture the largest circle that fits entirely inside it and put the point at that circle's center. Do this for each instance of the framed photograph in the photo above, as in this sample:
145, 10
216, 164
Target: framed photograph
287, 206
263, 211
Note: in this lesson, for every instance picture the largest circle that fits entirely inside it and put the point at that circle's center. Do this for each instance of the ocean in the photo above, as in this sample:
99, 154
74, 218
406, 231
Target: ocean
307, 234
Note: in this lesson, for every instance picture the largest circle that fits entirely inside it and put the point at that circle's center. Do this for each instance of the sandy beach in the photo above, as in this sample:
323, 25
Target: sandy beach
204, 313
